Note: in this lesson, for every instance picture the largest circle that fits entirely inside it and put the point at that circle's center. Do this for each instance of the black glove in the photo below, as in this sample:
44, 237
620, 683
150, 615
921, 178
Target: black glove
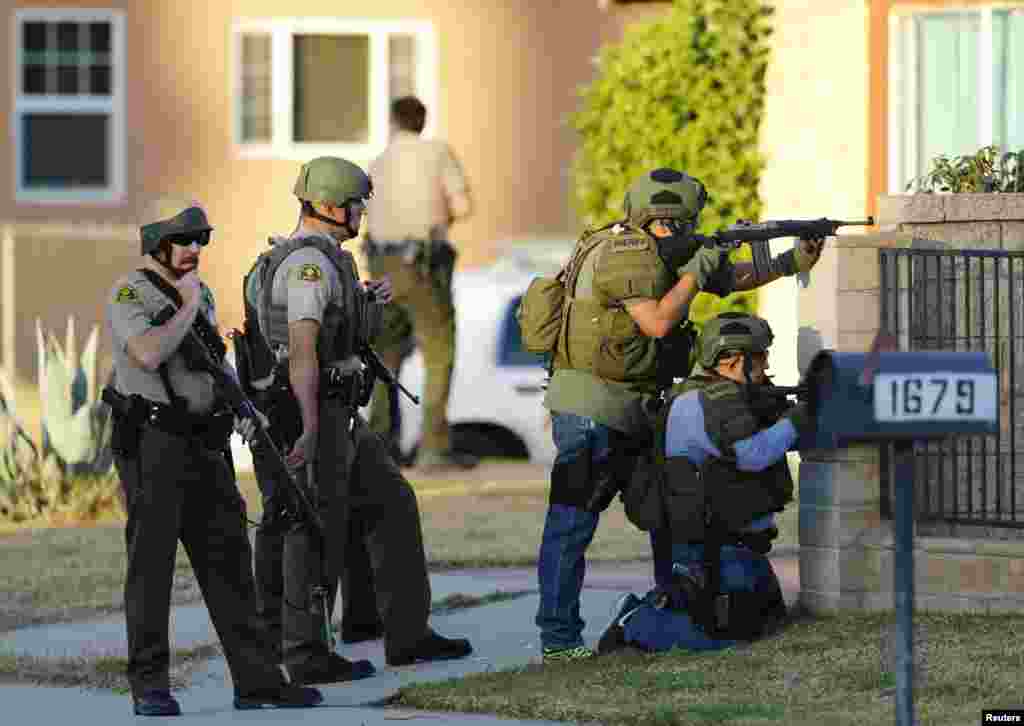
801, 418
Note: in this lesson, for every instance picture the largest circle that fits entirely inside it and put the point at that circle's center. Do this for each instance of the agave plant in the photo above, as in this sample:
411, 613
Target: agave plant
76, 424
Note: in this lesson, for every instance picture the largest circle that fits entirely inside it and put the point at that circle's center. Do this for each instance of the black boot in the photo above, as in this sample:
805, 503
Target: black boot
156, 702
284, 696
360, 633
431, 647
614, 636
332, 669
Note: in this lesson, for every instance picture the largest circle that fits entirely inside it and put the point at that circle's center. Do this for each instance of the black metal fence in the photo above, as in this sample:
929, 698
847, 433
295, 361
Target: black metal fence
962, 300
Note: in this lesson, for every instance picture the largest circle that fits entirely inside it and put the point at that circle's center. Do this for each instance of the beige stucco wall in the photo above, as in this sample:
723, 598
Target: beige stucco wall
508, 75
814, 137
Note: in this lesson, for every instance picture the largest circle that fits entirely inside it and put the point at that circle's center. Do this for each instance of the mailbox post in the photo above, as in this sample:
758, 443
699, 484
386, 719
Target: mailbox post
905, 396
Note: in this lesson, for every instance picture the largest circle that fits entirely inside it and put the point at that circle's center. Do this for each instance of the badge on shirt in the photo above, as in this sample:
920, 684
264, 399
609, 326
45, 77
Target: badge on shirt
309, 273
126, 294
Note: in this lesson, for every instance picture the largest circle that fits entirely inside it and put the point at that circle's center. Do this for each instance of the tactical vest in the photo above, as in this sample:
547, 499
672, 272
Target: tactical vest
737, 497
345, 326
597, 333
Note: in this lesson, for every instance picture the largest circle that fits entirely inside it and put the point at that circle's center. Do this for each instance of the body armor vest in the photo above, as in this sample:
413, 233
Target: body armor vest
598, 334
344, 329
737, 497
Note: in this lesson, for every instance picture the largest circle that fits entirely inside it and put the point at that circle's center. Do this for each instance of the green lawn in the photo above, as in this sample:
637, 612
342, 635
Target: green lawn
815, 671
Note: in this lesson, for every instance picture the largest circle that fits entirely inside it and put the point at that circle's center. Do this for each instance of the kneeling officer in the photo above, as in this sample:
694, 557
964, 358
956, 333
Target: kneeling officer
170, 444
715, 480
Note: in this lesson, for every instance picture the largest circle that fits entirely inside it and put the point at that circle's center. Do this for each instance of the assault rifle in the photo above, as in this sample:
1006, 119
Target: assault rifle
770, 402
758, 234
200, 357
380, 371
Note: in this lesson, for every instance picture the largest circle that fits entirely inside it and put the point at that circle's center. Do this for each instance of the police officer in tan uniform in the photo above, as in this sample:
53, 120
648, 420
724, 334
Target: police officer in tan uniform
419, 190
306, 307
171, 452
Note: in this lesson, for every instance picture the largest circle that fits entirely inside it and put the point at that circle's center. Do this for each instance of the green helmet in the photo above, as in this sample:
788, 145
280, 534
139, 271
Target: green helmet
174, 218
664, 193
733, 332
333, 180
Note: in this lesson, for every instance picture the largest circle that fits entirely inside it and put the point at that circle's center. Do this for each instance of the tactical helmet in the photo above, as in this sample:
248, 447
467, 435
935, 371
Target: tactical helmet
332, 180
664, 193
174, 218
733, 332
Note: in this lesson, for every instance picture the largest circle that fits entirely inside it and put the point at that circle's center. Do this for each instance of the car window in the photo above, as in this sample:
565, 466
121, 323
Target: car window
510, 342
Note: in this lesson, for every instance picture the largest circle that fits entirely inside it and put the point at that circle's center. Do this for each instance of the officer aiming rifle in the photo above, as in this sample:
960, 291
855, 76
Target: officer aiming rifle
758, 236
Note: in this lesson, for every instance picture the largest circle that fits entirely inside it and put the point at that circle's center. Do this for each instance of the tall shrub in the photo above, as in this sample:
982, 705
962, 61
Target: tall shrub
685, 91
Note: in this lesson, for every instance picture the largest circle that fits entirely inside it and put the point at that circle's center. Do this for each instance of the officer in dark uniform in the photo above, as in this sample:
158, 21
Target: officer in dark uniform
718, 476
171, 451
307, 319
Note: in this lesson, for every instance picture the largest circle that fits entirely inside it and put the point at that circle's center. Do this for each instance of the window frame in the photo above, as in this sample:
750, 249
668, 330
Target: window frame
113, 106
903, 72
282, 32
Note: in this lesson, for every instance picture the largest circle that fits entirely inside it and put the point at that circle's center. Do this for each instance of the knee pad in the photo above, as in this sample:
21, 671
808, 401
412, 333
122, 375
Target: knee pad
571, 483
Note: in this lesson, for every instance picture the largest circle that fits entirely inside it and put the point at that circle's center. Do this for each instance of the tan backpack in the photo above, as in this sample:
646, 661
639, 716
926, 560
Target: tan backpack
541, 312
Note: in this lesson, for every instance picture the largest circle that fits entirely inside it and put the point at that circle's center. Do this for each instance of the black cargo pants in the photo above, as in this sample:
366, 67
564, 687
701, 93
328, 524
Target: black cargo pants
372, 529
176, 490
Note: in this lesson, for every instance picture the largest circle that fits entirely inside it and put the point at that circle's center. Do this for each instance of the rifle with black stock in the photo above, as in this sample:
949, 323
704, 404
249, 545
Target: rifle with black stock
759, 234
199, 356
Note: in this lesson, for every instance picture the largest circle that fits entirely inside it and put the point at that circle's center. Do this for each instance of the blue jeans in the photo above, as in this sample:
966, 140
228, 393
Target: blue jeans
568, 531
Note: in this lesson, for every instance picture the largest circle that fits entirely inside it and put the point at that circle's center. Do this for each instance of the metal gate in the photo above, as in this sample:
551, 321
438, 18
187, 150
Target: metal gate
962, 300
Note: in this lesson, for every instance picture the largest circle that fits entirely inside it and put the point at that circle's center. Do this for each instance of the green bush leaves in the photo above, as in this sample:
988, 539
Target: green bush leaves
686, 91
986, 171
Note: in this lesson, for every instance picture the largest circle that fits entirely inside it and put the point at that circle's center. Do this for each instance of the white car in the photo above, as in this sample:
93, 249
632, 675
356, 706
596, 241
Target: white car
495, 408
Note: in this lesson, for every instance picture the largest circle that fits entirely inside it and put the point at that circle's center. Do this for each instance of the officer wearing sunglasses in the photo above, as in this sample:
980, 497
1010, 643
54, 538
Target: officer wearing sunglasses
170, 443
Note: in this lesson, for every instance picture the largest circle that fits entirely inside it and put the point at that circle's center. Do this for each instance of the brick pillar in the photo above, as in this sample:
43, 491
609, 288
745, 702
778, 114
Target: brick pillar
842, 535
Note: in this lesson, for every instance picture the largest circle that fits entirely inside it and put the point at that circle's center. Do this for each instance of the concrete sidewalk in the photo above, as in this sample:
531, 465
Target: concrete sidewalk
503, 636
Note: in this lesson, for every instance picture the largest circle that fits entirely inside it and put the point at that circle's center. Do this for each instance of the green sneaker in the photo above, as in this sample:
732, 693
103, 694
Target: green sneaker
567, 655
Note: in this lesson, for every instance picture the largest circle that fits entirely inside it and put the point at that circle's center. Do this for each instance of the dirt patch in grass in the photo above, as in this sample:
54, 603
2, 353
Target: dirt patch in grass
102, 672
816, 670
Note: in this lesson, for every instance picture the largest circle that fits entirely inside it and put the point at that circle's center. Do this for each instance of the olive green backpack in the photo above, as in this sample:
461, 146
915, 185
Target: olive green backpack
541, 312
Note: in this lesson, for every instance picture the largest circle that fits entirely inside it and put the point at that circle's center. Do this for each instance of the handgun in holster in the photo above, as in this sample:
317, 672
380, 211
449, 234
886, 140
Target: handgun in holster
129, 413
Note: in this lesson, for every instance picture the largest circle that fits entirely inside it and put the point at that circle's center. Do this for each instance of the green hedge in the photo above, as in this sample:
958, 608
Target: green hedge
685, 91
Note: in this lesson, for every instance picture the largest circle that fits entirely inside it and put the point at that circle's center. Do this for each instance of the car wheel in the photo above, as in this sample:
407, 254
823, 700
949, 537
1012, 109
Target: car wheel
488, 442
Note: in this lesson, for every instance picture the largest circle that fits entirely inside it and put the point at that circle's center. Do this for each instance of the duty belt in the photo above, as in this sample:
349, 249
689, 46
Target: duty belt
211, 429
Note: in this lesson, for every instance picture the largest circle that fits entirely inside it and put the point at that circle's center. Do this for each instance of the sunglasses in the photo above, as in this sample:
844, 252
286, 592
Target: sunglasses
200, 238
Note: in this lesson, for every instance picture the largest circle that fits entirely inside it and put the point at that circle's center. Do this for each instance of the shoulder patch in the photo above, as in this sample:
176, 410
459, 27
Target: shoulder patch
309, 273
126, 293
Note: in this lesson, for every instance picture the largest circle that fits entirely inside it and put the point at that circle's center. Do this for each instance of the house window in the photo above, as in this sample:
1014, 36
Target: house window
68, 117
956, 83
308, 87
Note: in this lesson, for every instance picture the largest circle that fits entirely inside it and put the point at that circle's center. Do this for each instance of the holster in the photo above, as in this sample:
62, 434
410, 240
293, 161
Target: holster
212, 431
128, 415
349, 386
